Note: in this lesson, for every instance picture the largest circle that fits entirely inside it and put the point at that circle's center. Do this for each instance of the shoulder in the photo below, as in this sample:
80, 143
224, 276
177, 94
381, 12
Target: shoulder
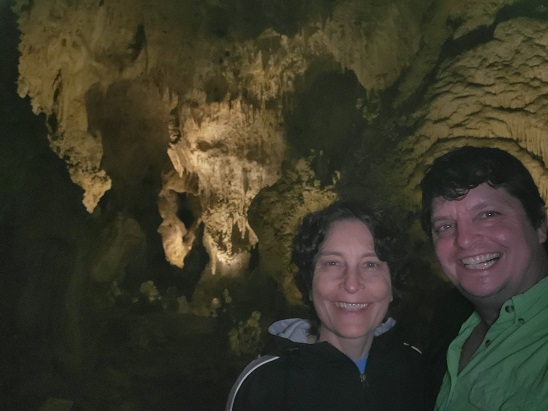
403, 386
279, 350
277, 376
263, 364
391, 351
392, 342
258, 369
265, 371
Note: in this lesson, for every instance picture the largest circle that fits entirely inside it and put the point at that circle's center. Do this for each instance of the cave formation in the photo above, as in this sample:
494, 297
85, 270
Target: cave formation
157, 157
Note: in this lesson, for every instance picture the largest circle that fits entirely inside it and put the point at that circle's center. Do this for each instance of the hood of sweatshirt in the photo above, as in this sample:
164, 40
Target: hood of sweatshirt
296, 329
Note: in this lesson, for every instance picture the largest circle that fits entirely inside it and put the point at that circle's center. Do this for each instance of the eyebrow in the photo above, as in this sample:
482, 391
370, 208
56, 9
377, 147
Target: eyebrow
441, 218
482, 204
338, 253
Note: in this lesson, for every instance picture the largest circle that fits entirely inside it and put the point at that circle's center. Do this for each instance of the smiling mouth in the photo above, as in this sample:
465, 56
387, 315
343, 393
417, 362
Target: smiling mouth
481, 262
351, 306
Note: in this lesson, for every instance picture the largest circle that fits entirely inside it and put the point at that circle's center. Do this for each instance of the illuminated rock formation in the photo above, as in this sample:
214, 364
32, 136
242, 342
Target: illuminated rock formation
493, 94
198, 96
196, 134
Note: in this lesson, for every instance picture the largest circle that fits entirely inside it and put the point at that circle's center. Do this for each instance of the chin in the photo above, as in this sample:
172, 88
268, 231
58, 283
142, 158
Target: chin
480, 292
357, 333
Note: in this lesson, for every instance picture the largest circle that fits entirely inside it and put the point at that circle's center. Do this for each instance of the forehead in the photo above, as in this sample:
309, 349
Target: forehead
347, 229
483, 196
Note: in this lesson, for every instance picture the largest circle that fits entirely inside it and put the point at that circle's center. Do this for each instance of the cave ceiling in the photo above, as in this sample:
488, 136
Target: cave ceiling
216, 108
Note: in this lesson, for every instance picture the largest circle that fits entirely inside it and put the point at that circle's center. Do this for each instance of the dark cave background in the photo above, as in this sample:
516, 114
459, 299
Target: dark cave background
69, 343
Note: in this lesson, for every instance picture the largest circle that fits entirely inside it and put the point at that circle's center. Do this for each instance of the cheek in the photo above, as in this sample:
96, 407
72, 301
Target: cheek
503, 236
320, 299
511, 237
320, 289
442, 248
386, 293
380, 290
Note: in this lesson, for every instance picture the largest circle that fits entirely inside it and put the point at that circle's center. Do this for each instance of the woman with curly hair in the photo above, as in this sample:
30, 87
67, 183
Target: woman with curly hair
349, 358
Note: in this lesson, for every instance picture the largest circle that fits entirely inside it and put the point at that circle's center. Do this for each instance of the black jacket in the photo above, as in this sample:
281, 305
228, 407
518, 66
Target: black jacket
297, 376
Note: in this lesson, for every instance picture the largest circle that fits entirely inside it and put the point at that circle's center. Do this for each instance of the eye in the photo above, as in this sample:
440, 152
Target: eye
328, 263
330, 267
371, 264
442, 228
490, 213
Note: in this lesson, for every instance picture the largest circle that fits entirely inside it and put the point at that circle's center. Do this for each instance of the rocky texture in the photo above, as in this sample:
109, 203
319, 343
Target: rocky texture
196, 135
300, 192
117, 79
493, 94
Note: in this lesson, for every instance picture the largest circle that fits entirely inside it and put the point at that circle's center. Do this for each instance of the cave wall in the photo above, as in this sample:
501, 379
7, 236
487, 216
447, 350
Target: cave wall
159, 156
208, 100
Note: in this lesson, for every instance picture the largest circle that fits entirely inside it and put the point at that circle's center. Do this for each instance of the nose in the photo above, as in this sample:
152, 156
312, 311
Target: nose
467, 234
352, 281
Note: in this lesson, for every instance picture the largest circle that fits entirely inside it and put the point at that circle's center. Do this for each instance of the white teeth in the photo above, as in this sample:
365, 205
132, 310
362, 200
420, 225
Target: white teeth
481, 262
350, 306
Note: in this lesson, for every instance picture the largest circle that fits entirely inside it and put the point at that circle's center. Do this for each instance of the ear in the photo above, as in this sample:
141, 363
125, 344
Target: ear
541, 231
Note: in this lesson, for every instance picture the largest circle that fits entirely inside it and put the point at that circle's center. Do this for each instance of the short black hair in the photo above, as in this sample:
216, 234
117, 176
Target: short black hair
312, 232
453, 174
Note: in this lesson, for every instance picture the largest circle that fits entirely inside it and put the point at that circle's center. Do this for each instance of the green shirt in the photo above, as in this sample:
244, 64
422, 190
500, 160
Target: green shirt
509, 371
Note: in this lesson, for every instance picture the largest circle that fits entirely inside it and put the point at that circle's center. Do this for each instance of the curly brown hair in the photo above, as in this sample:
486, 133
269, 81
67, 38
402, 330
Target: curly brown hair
312, 233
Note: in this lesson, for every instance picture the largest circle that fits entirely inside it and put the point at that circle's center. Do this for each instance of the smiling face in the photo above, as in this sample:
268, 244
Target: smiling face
486, 245
351, 288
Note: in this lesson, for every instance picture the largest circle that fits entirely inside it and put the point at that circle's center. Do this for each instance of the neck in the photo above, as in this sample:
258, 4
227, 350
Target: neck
354, 348
488, 313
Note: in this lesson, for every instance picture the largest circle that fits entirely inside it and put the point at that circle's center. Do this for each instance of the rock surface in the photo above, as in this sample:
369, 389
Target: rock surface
149, 203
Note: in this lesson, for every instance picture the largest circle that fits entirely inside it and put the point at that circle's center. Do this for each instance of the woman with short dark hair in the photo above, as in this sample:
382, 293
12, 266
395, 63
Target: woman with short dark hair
347, 258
